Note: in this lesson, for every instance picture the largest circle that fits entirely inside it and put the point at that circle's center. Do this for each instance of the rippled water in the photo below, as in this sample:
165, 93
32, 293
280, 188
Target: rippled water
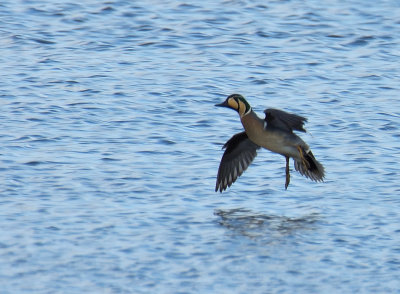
110, 145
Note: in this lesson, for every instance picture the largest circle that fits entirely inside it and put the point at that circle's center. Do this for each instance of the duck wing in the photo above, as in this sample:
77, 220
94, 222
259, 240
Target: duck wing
284, 121
239, 154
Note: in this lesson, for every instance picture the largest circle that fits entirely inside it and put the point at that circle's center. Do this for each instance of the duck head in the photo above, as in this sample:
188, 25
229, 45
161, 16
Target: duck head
236, 102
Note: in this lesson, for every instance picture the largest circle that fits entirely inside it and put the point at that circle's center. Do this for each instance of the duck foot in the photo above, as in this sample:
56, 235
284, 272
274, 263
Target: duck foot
303, 159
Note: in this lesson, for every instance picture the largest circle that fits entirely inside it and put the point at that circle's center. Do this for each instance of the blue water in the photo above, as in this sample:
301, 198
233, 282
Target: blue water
110, 145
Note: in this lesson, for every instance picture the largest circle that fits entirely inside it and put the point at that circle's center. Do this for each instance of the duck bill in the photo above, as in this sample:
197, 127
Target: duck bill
223, 104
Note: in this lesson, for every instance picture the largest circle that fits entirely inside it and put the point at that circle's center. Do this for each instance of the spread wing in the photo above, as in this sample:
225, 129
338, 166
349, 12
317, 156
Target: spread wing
239, 153
284, 121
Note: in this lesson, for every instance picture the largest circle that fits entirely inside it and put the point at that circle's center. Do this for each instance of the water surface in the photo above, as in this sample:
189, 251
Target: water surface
110, 145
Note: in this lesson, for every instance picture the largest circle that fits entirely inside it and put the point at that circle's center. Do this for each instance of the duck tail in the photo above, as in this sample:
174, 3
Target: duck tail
308, 166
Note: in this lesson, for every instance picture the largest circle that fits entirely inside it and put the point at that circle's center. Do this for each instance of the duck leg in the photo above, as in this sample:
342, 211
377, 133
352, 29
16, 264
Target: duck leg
287, 173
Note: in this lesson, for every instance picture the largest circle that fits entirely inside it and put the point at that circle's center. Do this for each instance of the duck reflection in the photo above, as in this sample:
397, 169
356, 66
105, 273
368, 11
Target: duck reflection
247, 223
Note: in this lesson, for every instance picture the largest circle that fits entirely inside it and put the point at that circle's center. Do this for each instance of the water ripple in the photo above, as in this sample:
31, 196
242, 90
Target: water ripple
111, 144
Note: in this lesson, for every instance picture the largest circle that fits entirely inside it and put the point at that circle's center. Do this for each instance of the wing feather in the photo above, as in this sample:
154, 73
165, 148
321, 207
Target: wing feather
285, 121
239, 154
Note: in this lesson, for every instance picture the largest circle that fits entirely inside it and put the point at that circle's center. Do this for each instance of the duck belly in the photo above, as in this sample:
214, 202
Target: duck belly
280, 143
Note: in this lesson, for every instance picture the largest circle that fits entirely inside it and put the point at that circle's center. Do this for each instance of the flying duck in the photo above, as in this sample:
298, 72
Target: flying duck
274, 133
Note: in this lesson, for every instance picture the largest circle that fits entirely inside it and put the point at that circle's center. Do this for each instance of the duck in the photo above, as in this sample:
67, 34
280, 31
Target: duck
275, 133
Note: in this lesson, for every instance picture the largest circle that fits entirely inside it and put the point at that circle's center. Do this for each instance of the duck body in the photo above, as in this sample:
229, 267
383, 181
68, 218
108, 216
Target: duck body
274, 133
274, 140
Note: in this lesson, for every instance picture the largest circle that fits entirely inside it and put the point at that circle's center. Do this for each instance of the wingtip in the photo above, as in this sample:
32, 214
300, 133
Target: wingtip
218, 187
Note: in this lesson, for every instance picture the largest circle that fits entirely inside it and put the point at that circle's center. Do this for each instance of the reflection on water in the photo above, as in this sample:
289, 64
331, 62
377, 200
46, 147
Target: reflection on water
254, 225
